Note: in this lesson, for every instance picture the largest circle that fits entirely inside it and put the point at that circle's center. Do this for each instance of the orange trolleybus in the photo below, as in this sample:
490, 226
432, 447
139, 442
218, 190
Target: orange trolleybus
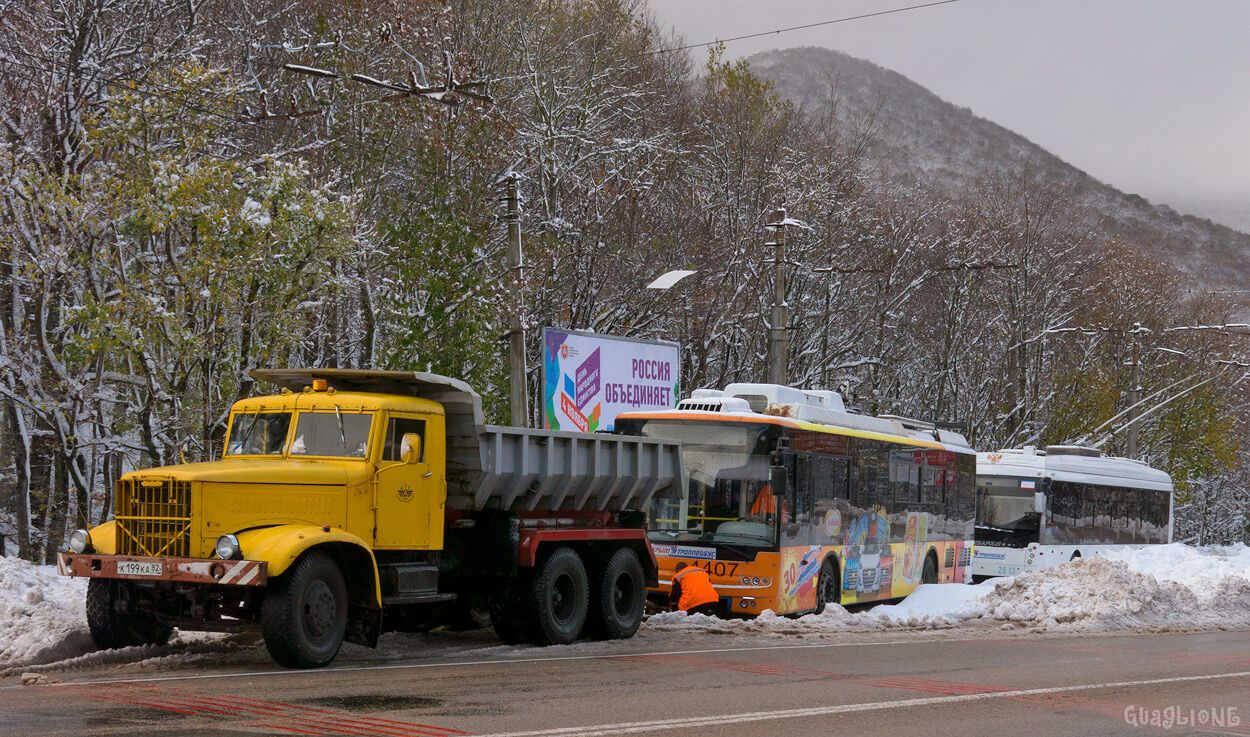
793, 502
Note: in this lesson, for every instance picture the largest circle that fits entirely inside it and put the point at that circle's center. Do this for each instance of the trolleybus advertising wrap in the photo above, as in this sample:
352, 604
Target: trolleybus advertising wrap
788, 515
588, 378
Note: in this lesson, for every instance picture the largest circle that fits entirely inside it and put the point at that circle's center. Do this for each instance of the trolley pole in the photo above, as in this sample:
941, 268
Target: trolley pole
778, 339
516, 328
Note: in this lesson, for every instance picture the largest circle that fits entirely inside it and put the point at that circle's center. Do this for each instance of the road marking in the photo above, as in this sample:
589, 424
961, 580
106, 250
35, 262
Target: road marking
500, 661
280, 716
598, 730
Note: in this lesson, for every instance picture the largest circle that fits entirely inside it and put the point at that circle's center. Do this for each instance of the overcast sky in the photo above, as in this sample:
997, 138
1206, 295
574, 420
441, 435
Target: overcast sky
1151, 96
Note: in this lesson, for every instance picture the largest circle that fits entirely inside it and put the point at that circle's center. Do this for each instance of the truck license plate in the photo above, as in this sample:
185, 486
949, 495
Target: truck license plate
139, 568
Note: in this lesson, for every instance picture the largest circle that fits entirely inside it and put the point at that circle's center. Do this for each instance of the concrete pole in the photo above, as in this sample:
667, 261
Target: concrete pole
778, 337
1134, 395
516, 328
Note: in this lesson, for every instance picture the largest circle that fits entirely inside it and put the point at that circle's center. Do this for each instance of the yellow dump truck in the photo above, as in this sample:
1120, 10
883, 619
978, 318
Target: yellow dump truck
350, 503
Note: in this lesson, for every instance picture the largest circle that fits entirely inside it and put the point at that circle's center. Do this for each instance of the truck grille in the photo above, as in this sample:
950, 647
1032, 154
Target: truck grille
154, 517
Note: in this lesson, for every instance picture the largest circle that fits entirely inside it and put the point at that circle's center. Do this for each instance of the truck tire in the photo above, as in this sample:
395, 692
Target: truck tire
619, 598
304, 616
111, 629
559, 599
509, 615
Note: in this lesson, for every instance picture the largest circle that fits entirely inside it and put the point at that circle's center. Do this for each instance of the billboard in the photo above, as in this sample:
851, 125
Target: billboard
588, 378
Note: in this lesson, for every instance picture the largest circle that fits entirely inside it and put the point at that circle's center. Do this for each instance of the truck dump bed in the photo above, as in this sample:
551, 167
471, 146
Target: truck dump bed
514, 468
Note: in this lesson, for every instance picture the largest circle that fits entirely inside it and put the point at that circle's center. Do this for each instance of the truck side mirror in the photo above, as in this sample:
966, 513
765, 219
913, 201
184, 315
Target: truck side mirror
1039, 502
410, 448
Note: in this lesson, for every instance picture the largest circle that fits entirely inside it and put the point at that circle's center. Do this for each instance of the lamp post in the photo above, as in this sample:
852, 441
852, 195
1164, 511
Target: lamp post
778, 339
516, 324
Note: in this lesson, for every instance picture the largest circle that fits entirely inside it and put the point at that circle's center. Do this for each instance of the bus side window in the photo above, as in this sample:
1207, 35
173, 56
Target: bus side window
822, 482
829, 483
799, 488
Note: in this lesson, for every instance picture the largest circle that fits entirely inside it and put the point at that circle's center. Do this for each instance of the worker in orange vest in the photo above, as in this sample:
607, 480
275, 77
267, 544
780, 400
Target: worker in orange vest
764, 508
693, 592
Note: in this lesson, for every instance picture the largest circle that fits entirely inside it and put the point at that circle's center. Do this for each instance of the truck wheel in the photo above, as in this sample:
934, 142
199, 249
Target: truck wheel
304, 616
559, 597
508, 616
619, 597
111, 629
828, 588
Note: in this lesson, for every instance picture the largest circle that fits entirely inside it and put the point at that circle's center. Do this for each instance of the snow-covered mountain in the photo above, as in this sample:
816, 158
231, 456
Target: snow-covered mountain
921, 138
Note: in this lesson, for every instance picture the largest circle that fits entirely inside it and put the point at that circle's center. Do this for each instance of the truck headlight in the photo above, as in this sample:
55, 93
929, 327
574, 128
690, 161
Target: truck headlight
227, 547
80, 541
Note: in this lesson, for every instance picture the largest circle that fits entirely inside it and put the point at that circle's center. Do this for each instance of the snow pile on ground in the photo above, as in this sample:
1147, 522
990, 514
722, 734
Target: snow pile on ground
935, 606
1173, 587
42, 615
1100, 594
928, 607
1205, 570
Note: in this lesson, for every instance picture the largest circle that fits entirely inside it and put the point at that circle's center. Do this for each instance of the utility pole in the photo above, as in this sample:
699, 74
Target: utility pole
516, 328
778, 339
1134, 394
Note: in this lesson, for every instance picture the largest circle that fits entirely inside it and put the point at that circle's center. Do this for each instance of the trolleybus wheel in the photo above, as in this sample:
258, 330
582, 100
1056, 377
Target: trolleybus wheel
930, 574
828, 587
560, 598
618, 599
304, 616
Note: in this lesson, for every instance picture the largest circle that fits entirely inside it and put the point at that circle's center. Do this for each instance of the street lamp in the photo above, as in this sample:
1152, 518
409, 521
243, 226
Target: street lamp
670, 279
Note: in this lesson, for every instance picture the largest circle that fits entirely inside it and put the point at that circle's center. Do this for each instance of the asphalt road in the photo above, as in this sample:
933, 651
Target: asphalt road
944, 684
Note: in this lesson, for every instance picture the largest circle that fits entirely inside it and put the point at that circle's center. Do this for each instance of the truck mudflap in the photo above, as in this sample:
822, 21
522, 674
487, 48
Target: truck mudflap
182, 570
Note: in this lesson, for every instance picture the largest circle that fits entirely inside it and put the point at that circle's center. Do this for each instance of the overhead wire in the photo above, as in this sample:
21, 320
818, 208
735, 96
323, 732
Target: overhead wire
804, 26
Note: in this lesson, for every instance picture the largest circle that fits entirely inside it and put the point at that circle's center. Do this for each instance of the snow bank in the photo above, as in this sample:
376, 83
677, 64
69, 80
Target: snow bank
42, 615
1163, 587
929, 607
1204, 570
1101, 594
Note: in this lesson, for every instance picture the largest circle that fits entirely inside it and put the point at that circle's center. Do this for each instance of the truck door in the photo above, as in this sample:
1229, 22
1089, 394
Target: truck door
410, 492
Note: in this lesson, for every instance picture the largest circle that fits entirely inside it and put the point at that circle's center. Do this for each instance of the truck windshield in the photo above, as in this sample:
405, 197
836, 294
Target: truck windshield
334, 433
730, 499
1005, 513
258, 434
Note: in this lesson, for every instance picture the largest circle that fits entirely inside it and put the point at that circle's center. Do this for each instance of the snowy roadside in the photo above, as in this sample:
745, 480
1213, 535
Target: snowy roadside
43, 626
42, 615
1163, 588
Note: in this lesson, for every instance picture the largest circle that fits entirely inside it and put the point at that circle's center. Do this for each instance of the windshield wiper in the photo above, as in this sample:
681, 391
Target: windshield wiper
739, 550
342, 435
1007, 530
675, 533
248, 433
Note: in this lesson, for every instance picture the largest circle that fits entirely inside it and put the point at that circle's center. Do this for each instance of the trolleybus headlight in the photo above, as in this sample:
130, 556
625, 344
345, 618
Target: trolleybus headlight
227, 547
80, 541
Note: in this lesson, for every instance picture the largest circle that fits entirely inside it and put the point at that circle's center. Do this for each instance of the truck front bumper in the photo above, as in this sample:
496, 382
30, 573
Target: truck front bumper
182, 570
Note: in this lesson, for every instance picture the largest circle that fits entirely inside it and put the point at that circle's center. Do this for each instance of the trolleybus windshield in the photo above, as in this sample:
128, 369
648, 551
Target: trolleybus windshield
731, 500
1005, 512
